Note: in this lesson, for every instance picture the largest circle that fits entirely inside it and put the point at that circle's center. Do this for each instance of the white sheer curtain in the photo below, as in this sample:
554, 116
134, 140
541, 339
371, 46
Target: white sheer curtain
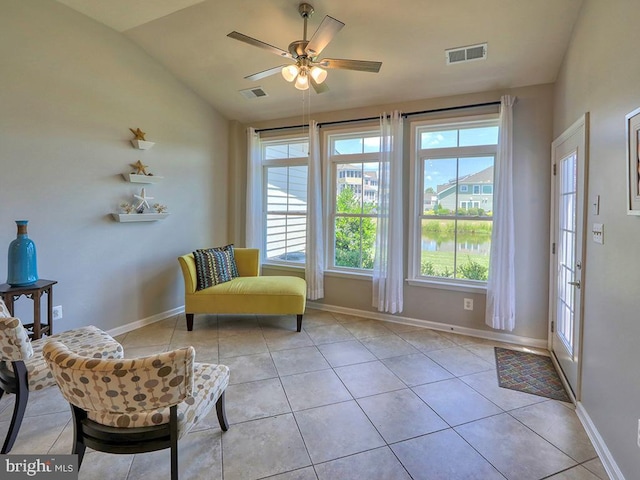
314, 257
253, 235
388, 276
501, 296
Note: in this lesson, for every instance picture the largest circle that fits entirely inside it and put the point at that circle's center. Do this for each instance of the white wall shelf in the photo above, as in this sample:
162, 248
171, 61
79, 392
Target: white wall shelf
138, 217
139, 178
142, 144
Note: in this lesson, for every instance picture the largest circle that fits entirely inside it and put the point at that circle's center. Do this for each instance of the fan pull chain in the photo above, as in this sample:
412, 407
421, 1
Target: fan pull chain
306, 119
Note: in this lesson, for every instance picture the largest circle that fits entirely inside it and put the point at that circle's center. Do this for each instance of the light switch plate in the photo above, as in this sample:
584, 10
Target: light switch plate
598, 233
596, 205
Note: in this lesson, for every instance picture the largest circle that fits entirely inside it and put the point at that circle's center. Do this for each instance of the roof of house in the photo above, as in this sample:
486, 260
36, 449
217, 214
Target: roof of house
483, 176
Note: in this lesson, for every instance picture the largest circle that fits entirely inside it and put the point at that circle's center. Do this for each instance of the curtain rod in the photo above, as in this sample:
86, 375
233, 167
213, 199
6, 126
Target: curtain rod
405, 115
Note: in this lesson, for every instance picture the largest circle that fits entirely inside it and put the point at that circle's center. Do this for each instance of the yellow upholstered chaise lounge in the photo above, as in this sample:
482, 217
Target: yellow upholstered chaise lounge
249, 293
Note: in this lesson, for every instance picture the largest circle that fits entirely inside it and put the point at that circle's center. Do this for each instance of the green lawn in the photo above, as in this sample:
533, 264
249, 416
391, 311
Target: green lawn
442, 262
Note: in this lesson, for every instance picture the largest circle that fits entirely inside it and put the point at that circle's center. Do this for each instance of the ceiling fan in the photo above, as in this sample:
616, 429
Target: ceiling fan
308, 69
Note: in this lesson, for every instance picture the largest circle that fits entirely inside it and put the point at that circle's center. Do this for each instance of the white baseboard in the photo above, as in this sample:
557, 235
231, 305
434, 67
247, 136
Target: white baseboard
444, 327
606, 458
563, 377
145, 321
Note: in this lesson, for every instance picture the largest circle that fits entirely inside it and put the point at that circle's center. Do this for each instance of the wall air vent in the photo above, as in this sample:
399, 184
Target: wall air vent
466, 54
255, 92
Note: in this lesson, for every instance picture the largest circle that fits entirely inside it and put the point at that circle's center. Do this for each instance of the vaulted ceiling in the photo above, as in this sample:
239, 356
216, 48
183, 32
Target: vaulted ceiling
526, 43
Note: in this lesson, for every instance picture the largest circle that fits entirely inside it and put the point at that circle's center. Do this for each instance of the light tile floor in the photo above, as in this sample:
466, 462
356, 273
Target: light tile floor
346, 398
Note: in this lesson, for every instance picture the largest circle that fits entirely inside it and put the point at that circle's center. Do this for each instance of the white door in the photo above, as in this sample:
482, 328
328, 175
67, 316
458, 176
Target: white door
568, 214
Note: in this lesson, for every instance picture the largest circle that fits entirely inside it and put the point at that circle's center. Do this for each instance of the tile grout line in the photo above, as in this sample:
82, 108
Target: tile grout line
510, 412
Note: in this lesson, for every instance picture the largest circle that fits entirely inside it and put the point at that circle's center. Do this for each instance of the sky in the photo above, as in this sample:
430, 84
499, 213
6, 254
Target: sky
436, 172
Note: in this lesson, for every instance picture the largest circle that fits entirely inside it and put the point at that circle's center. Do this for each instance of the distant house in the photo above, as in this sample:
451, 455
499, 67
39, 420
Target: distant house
351, 176
430, 200
473, 191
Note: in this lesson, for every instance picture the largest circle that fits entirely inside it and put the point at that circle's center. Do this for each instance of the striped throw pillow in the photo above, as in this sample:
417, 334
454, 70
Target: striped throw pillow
214, 266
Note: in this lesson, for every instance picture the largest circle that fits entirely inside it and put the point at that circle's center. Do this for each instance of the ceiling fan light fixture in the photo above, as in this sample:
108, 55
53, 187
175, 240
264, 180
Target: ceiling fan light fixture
290, 72
318, 74
307, 67
302, 81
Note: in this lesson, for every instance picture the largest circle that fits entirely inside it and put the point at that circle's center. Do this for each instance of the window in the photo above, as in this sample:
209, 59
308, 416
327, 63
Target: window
451, 220
354, 159
285, 176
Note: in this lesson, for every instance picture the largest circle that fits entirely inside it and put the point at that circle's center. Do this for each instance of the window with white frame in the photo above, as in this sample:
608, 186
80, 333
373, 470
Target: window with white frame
285, 173
354, 160
452, 210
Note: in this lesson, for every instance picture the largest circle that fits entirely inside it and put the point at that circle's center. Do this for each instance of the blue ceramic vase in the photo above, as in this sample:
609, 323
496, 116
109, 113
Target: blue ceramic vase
22, 265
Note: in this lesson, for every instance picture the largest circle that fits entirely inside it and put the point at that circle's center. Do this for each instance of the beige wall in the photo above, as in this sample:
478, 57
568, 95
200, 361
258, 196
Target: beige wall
601, 75
532, 139
70, 89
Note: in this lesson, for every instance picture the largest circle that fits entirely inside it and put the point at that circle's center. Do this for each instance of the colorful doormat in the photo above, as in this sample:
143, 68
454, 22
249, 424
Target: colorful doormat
530, 373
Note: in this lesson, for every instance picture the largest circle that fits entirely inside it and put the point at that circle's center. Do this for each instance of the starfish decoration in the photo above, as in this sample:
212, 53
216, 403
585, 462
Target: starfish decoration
138, 133
144, 200
140, 168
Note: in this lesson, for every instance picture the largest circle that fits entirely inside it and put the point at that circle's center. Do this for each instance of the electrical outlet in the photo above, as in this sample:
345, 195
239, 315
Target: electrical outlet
598, 233
468, 304
57, 312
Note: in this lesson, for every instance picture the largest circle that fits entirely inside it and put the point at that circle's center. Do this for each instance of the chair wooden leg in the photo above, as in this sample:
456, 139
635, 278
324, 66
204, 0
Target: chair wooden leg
299, 322
22, 396
189, 321
173, 422
78, 441
222, 414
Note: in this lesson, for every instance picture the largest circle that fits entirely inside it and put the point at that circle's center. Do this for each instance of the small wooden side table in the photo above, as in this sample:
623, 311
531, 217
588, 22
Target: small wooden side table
34, 292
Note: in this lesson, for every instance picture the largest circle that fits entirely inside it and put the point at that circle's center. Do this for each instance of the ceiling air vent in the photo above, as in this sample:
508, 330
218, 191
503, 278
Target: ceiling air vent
254, 92
466, 54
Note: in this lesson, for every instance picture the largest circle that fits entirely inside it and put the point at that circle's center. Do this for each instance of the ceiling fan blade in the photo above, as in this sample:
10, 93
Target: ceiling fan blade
323, 35
265, 73
318, 87
360, 65
257, 43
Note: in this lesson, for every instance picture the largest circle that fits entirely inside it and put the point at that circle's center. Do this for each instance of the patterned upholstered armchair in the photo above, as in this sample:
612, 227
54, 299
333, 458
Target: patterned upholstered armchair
23, 368
137, 405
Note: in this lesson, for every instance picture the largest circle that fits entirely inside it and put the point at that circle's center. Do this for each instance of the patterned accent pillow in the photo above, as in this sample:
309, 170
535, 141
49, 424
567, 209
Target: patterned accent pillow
229, 250
214, 266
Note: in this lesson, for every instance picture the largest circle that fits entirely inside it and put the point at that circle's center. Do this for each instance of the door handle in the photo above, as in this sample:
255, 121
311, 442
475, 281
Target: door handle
575, 284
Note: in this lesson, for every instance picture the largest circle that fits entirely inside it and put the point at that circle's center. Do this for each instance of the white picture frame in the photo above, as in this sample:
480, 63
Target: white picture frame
632, 124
